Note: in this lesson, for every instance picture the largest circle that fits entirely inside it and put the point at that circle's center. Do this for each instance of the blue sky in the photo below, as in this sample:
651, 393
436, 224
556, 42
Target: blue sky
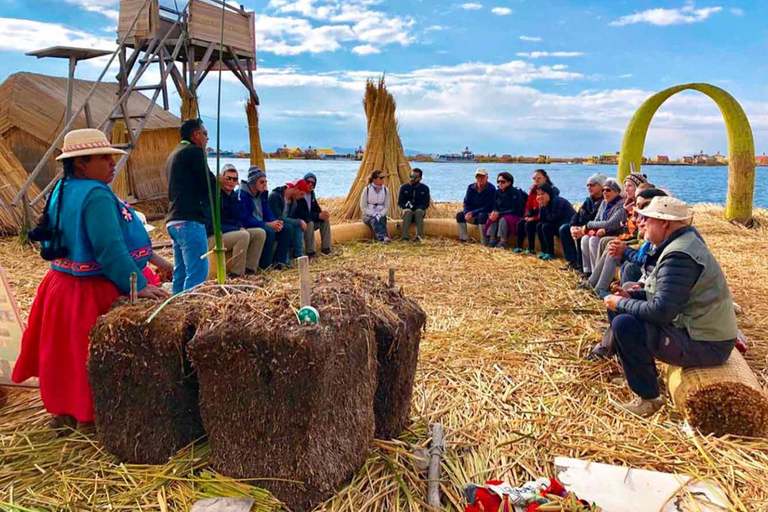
506, 76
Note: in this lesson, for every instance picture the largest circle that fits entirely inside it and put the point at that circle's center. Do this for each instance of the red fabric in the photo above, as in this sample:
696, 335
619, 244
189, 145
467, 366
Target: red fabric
532, 205
555, 488
532, 507
55, 344
485, 500
152, 278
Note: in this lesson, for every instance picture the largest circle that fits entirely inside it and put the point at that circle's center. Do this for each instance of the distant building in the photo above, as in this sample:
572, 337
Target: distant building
762, 159
324, 152
359, 153
609, 158
286, 152
687, 160
720, 159
662, 159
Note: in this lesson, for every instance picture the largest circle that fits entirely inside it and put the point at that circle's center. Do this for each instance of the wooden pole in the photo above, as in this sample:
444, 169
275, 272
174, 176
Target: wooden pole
305, 282
435, 454
134, 292
391, 280
70, 86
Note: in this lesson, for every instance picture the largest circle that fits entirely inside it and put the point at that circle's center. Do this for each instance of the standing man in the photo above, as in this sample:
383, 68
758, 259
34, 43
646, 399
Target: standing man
189, 184
246, 244
478, 204
413, 199
308, 210
572, 232
283, 201
684, 316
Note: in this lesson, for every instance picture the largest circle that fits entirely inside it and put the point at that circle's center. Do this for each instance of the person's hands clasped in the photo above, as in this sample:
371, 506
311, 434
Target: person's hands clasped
494, 216
277, 225
303, 225
612, 301
600, 232
324, 215
153, 292
616, 248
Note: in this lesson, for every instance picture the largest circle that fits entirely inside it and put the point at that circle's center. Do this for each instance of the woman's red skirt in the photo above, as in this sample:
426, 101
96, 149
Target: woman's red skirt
55, 344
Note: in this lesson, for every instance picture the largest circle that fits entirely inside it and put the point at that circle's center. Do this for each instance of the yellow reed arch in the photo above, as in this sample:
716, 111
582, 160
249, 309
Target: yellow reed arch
741, 146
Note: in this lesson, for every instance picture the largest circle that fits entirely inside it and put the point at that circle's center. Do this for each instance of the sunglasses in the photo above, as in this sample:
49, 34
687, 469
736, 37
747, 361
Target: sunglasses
310, 182
415, 176
607, 189
231, 178
378, 177
501, 181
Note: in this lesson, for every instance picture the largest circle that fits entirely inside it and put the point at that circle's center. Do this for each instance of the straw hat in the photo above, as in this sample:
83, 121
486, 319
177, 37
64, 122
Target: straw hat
87, 142
667, 208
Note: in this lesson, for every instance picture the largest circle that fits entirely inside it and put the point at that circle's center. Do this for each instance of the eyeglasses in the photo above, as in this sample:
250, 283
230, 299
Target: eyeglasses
230, 178
607, 189
501, 181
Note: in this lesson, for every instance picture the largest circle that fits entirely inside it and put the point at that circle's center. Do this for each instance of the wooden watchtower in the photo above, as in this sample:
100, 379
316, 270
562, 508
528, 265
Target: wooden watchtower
186, 45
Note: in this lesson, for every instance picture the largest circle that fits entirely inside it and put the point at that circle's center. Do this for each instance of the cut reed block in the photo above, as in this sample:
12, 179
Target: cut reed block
289, 403
721, 400
145, 393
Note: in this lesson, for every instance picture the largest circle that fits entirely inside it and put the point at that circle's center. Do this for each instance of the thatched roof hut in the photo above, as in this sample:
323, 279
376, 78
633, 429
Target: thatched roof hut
32, 114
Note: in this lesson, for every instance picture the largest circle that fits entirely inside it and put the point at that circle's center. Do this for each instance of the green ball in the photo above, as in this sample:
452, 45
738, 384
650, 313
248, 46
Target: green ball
309, 315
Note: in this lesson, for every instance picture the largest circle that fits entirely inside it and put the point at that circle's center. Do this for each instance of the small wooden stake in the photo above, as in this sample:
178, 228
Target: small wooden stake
435, 454
391, 280
134, 292
305, 282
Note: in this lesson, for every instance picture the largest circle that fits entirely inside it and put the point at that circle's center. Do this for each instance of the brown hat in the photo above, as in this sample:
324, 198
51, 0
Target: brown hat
636, 178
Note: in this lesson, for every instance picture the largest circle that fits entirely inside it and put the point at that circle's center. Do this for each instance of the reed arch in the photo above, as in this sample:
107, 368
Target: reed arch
741, 146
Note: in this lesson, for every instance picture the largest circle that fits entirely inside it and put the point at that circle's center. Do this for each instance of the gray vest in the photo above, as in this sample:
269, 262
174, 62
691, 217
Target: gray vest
708, 313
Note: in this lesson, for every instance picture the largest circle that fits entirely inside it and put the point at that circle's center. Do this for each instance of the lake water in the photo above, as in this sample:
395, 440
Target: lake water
448, 181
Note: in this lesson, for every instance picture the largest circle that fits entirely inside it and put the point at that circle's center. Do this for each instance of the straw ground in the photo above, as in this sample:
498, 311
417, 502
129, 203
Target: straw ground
499, 366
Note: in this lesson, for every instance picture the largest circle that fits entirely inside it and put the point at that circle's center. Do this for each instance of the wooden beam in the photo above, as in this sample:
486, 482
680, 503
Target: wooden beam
208, 70
204, 63
88, 116
305, 282
164, 83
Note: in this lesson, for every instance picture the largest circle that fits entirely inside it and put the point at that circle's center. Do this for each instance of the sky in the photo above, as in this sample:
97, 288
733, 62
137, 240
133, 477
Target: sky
557, 77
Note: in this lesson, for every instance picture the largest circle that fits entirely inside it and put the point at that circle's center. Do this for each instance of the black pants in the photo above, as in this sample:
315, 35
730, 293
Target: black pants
630, 273
526, 229
480, 220
639, 343
547, 233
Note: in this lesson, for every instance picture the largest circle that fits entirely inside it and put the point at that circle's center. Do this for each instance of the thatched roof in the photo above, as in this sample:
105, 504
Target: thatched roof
36, 105
12, 176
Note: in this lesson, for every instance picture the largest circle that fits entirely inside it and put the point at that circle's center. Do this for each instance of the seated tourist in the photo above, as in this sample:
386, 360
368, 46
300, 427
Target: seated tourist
316, 218
683, 317
246, 245
527, 226
508, 209
283, 202
571, 233
375, 202
633, 184
478, 204
255, 213
413, 200
608, 220
554, 211
605, 269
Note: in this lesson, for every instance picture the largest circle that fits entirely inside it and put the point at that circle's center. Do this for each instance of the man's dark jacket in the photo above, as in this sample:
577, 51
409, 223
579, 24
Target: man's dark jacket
188, 181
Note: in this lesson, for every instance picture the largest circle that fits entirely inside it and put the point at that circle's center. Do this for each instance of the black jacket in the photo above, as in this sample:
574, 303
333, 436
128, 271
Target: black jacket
558, 211
306, 213
675, 277
587, 212
188, 180
230, 214
413, 197
510, 201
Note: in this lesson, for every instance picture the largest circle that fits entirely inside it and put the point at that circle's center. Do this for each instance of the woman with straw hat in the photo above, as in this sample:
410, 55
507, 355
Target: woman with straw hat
683, 317
95, 244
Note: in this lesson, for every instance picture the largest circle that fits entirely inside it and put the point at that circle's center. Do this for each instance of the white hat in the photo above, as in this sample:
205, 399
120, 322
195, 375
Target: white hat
481, 172
667, 208
87, 141
143, 219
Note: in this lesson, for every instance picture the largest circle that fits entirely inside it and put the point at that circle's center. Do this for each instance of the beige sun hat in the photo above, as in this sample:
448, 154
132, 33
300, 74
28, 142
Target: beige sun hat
667, 208
87, 141
481, 172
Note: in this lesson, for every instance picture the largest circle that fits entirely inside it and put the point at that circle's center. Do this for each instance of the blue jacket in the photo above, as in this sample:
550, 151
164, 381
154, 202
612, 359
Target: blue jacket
559, 211
248, 210
230, 214
510, 201
479, 202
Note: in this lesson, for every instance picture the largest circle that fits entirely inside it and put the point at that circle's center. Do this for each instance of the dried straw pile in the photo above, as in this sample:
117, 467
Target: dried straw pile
499, 365
257, 153
287, 403
145, 393
383, 151
398, 322
722, 400
12, 177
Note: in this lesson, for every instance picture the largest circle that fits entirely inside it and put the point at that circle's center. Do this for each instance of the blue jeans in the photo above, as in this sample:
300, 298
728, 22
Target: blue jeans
272, 254
378, 226
190, 243
570, 249
296, 236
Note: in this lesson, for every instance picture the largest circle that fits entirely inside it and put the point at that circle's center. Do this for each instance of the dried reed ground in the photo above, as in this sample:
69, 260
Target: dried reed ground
499, 367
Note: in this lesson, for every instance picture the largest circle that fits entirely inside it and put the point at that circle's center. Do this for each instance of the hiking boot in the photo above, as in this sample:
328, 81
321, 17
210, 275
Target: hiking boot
644, 407
569, 266
326, 252
417, 239
492, 243
584, 285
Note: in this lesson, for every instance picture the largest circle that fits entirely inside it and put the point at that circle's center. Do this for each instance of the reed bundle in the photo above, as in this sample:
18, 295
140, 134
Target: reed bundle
257, 153
12, 177
121, 185
189, 107
383, 151
499, 365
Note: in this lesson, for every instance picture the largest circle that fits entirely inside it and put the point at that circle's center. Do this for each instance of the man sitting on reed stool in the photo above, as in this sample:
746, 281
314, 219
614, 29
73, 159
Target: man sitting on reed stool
478, 204
308, 210
683, 317
413, 199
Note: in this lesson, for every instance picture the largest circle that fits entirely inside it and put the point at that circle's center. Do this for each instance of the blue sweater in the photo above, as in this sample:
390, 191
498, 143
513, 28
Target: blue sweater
248, 215
479, 202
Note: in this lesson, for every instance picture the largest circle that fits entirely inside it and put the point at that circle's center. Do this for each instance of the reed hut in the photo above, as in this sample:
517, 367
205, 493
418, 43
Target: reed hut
383, 151
12, 177
32, 114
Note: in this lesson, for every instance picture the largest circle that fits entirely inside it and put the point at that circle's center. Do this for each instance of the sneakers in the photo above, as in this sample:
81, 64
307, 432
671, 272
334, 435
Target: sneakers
503, 245
517, 250
545, 256
644, 407
326, 252
570, 266
527, 252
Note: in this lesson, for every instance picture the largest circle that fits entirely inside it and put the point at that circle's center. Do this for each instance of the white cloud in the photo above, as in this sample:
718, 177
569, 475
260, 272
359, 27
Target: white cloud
107, 8
27, 35
531, 39
666, 17
736, 11
471, 6
538, 55
365, 49
501, 11
626, 75
352, 22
